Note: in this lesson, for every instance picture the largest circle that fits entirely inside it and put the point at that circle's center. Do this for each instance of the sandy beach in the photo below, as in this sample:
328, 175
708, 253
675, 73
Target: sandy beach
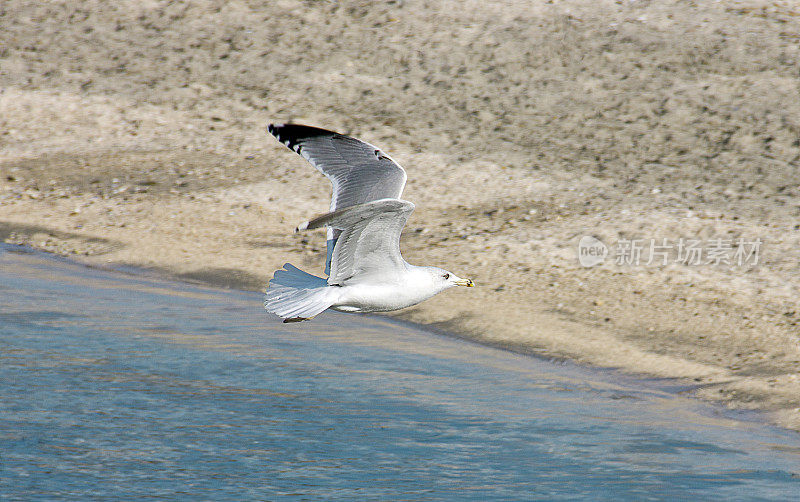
134, 133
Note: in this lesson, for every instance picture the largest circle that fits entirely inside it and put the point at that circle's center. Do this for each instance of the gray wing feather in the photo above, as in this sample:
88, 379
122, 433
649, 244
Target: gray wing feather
359, 171
369, 243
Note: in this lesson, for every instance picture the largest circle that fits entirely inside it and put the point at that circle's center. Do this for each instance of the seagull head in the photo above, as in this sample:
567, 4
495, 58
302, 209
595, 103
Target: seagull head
445, 279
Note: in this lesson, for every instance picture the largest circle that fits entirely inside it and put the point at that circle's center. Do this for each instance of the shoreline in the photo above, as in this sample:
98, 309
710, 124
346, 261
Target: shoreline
561, 336
670, 386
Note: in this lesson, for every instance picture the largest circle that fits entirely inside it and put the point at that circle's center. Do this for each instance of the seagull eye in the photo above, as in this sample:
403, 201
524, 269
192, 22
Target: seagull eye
446, 276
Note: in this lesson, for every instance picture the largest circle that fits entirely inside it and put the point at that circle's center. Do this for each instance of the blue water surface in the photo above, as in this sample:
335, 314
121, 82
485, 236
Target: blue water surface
117, 387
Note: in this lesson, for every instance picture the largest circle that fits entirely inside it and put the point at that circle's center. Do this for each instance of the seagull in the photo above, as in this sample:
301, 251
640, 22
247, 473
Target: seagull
366, 272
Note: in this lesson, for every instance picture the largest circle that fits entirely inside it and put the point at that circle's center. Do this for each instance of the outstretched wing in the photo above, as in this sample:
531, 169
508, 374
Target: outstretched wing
369, 243
359, 171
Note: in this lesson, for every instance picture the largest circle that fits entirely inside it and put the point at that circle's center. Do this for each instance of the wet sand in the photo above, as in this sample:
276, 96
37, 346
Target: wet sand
135, 135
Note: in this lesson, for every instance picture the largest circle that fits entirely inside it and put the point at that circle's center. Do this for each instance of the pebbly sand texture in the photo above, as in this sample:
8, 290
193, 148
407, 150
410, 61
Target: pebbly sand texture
134, 133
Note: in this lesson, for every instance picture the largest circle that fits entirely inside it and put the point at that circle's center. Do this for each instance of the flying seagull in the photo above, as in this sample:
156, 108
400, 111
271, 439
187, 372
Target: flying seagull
366, 272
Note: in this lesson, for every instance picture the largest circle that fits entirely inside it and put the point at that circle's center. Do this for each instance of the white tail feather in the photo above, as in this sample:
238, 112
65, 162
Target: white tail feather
294, 294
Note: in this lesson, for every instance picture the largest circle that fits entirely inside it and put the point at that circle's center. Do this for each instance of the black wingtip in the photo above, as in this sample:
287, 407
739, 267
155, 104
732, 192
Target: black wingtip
296, 319
292, 135
297, 131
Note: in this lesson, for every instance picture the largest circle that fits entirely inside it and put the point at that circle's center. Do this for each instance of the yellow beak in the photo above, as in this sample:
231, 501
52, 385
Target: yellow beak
466, 282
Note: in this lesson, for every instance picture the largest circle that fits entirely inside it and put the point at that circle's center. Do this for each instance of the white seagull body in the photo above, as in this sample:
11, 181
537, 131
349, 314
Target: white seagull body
366, 272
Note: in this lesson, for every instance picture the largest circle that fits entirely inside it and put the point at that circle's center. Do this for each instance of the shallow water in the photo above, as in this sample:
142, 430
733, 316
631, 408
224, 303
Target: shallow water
115, 387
